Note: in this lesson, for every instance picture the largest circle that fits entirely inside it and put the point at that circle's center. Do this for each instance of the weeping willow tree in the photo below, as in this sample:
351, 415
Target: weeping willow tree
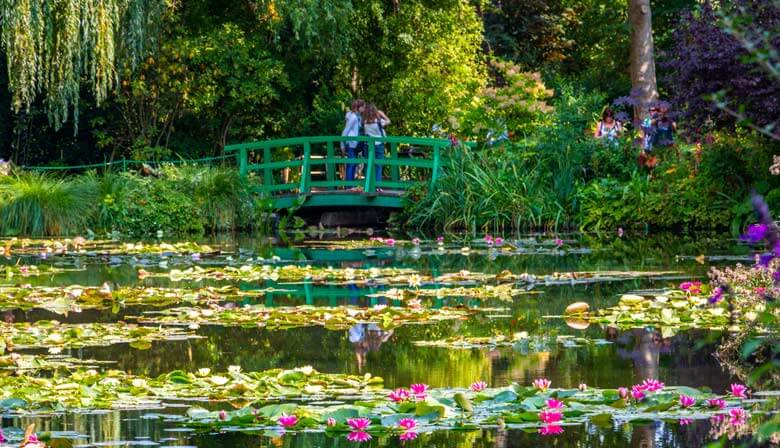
52, 46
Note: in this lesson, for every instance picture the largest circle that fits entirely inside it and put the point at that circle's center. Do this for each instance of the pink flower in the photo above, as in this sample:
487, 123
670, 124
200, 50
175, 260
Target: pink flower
331, 421
716, 403
419, 390
550, 430
623, 392
416, 241
582, 387
408, 435
390, 242
737, 416
24, 269
359, 424
478, 386
288, 421
542, 384
440, 240
638, 393
222, 415
2, 436
550, 415
499, 241
739, 390
620, 232
552, 403
652, 385
685, 421
686, 401
399, 395
691, 287
359, 436
558, 242
488, 239
407, 423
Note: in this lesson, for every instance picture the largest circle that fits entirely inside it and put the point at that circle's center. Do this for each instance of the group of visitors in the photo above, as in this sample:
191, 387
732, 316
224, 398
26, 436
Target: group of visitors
657, 130
363, 119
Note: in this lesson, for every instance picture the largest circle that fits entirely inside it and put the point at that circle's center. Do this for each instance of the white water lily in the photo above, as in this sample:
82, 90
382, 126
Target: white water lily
204, 371
751, 316
139, 382
218, 380
306, 370
349, 273
415, 281
374, 272
234, 369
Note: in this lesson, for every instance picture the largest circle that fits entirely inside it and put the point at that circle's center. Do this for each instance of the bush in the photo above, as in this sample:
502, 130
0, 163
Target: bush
39, 204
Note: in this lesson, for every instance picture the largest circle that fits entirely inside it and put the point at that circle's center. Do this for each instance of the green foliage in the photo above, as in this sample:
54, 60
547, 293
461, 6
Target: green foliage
40, 204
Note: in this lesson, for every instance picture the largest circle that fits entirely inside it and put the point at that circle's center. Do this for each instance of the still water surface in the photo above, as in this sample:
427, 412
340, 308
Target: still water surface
618, 358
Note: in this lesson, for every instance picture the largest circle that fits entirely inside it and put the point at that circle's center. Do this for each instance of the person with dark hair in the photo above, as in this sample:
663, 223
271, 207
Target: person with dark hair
665, 128
352, 128
609, 128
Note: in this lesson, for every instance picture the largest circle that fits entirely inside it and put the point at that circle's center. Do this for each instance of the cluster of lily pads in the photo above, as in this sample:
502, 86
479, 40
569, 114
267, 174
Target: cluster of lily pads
334, 318
521, 340
81, 245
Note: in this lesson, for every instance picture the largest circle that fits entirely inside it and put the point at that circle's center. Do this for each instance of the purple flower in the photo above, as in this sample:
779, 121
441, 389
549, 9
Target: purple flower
358, 436
717, 295
755, 233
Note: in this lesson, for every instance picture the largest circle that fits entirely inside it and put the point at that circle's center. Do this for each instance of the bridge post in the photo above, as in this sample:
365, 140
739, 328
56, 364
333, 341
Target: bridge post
268, 179
330, 167
305, 169
395, 175
242, 157
370, 181
436, 164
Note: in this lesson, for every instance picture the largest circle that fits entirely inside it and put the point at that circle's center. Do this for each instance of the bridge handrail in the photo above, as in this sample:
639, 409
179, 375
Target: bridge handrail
293, 141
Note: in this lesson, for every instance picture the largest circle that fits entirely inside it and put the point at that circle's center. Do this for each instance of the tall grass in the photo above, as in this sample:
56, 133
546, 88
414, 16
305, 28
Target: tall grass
39, 204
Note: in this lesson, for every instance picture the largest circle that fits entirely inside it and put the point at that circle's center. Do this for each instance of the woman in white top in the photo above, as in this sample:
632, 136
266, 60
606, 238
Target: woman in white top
374, 123
352, 129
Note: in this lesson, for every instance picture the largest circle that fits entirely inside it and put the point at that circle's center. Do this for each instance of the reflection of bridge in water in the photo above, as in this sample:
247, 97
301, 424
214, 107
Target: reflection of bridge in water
303, 171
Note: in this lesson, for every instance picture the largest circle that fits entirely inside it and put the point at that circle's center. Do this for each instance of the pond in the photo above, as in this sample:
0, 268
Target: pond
465, 332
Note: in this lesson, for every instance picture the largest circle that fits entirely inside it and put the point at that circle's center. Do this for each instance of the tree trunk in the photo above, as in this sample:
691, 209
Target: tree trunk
643, 83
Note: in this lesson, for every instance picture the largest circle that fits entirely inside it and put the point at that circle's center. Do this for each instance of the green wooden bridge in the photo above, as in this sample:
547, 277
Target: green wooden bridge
305, 171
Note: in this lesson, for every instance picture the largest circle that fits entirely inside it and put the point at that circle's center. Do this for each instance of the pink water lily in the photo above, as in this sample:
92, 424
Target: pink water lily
685, 421
691, 287
716, 403
399, 395
416, 241
331, 421
739, 390
552, 403
623, 392
550, 415
542, 384
687, 401
652, 385
390, 242
737, 416
359, 424
359, 436
558, 242
478, 386
288, 421
408, 435
551, 430
440, 239
2, 436
407, 423
222, 415
489, 239
499, 241
419, 390
638, 393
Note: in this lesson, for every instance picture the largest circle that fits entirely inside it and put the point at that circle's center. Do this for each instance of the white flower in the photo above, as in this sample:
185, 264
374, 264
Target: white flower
234, 369
204, 371
415, 281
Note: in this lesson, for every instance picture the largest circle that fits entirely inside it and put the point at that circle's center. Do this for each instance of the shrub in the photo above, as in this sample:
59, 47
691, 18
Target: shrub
40, 204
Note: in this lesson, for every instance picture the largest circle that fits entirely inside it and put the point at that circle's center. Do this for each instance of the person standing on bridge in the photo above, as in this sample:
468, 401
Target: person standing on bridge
374, 123
352, 128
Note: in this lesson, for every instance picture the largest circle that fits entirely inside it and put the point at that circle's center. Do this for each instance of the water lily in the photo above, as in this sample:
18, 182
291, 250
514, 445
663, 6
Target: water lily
419, 390
542, 384
288, 421
416, 241
582, 387
399, 395
358, 436
739, 390
407, 423
234, 369
685, 421
415, 281
716, 403
407, 435
195, 256
687, 401
552, 403
652, 385
737, 416
558, 242
638, 393
499, 241
440, 240
550, 415
331, 421
390, 242
691, 287
623, 392
222, 415
359, 424
478, 386
551, 430
2, 436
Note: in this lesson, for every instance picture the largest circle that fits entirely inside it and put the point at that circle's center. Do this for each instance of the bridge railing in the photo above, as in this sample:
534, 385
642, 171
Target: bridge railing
287, 166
